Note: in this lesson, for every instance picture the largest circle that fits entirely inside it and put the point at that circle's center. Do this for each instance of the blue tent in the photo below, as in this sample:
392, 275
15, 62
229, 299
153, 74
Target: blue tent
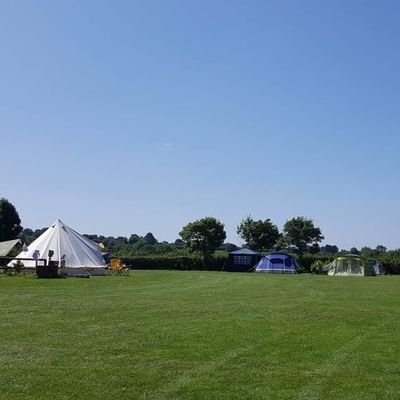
279, 263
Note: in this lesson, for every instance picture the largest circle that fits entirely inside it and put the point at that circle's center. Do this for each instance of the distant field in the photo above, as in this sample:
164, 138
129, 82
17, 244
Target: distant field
200, 335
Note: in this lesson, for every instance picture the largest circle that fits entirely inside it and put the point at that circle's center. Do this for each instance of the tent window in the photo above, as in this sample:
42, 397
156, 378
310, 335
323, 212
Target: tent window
242, 260
276, 261
288, 262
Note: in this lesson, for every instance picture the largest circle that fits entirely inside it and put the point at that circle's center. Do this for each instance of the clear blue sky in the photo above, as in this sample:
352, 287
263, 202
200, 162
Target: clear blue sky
133, 116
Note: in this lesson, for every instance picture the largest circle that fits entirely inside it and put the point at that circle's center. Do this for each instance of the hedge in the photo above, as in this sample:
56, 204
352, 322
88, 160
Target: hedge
176, 263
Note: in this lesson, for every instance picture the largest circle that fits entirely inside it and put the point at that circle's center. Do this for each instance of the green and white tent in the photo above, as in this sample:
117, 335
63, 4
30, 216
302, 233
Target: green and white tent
351, 265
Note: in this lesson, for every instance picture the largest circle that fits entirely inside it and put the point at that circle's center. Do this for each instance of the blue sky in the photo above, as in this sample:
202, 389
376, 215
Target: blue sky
127, 117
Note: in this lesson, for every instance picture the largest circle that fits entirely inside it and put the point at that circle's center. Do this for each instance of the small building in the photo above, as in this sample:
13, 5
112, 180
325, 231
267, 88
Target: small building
242, 260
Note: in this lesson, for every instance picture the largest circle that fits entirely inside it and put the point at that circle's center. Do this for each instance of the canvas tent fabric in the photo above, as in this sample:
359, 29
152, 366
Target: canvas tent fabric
278, 263
76, 253
8, 246
242, 260
351, 265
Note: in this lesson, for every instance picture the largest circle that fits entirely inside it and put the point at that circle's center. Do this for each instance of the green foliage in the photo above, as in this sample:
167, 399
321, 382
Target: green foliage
306, 260
316, 267
354, 251
301, 233
18, 265
328, 248
142, 248
204, 236
10, 223
150, 239
390, 261
28, 235
228, 247
259, 234
133, 238
181, 263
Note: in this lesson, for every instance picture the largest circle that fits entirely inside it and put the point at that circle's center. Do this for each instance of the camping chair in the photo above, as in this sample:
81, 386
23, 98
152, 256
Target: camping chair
117, 268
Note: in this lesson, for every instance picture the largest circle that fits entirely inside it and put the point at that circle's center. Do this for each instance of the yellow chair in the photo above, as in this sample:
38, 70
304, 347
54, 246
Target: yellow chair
117, 268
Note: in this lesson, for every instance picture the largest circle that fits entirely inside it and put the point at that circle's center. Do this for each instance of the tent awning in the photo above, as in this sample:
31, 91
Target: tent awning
8, 246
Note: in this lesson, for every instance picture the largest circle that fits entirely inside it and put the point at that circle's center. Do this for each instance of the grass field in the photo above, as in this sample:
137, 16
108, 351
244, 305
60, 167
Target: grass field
200, 335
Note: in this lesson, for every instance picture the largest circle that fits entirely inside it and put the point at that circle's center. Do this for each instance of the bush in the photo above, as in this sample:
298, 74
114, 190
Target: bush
390, 261
316, 267
308, 259
18, 266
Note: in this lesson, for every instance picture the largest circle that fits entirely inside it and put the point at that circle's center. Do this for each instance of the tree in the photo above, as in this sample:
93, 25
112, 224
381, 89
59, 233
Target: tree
28, 232
259, 234
204, 236
133, 238
10, 223
354, 250
179, 243
381, 249
121, 240
228, 247
150, 239
301, 233
329, 248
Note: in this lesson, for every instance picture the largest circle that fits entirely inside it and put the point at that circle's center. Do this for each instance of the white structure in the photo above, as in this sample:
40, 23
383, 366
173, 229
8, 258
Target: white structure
76, 253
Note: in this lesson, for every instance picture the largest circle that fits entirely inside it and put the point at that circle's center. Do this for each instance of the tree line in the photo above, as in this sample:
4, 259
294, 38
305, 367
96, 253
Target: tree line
204, 237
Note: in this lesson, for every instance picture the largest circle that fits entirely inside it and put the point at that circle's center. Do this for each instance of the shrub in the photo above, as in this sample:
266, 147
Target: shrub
175, 263
18, 266
316, 267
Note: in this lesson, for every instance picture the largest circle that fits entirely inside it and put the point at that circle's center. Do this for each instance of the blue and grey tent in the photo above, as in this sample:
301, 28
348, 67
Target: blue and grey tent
242, 260
279, 263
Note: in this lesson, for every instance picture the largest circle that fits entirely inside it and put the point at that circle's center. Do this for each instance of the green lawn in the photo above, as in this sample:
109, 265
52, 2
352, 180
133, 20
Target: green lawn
200, 335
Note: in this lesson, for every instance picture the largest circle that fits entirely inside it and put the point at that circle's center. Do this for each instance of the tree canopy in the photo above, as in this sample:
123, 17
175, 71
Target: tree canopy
259, 234
150, 239
10, 223
329, 248
301, 233
204, 235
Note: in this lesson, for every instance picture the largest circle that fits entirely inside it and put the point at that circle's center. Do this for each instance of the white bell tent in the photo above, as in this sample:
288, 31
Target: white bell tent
77, 254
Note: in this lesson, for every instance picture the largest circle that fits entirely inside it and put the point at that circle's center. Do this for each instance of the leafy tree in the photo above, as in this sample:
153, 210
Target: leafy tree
259, 234
38, 232
381, 249
133, 238
301, 233
179, 243
328, 248
10, 223
314, 248
150, 239
121, 240
228, 247
204, 236
366, 249
354, 250
28, 232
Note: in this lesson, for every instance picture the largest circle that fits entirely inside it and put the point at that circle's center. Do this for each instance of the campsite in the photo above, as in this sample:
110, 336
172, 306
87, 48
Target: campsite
259, 327
246, 324
199, 200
